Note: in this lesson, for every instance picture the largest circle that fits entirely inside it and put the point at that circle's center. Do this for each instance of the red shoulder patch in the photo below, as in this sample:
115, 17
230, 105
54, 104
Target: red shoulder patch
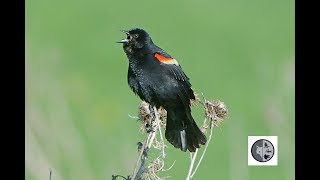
164, 59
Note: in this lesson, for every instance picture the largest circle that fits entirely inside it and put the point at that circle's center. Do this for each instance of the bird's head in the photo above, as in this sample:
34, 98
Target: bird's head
136, 38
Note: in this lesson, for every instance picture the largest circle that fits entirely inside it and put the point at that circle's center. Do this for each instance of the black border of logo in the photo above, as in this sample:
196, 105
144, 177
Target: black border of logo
271, 145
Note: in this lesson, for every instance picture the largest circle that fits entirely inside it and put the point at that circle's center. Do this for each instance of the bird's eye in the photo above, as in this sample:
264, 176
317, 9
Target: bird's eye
135, 35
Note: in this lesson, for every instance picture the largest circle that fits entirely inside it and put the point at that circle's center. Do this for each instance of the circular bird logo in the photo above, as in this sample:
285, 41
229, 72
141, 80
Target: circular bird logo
262, 150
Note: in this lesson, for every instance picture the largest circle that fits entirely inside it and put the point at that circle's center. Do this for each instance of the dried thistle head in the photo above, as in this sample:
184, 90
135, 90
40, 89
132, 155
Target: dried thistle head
162, 116
216, 110
146, 116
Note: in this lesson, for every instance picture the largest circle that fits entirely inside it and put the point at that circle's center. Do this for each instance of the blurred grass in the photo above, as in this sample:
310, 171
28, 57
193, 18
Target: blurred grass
78, 100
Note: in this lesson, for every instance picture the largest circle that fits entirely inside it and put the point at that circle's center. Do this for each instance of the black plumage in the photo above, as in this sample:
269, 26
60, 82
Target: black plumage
158, 79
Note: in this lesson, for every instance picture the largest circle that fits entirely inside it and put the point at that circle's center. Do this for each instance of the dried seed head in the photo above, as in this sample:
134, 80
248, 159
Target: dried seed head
216, 110
144, 115
144, 111
221, 108
162, 116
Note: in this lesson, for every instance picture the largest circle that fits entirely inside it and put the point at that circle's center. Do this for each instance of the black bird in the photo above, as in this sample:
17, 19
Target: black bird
158, 79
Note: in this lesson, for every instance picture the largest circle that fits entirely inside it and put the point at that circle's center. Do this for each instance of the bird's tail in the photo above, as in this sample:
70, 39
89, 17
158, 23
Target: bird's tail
182, 131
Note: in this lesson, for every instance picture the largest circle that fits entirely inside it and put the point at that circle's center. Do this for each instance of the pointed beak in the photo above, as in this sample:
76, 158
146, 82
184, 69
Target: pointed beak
124, 40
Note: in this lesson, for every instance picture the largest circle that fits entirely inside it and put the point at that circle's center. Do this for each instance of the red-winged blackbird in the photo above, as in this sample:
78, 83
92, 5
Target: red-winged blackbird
159, 80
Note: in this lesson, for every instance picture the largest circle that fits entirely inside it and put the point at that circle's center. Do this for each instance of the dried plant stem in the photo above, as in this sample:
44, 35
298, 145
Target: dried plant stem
116, 176
148, 141
169, 167
162, 143
152, 119
50, 174
153, 135
139, 157
190, 157
204, 151
194, 156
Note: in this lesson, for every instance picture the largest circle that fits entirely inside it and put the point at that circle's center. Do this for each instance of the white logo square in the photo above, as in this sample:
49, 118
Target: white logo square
262, 150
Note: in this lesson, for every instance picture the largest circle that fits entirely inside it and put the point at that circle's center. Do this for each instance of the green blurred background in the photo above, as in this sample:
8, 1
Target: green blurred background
78, 100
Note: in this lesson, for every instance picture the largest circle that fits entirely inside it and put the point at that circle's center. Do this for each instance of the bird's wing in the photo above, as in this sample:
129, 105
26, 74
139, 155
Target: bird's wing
173, 66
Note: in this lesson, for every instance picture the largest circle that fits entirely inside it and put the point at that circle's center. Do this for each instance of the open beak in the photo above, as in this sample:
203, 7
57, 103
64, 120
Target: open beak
124, 40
